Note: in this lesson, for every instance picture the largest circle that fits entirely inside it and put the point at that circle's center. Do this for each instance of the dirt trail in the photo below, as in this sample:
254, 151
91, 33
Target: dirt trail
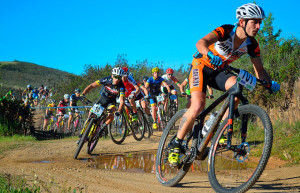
51, 165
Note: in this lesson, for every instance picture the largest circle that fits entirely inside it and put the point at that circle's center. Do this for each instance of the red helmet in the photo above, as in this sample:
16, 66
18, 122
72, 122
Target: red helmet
125, 69
170, 71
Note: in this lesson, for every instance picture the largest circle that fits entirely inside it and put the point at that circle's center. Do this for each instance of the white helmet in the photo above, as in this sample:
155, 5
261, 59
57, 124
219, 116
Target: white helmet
67, 96
117, 71
250, 11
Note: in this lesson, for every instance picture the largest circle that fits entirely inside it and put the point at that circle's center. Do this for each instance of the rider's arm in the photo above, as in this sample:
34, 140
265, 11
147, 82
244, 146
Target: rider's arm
122, 102
210, 90
145, 90
167, 86
203, 44
175, 81
91, 87
259, 69
183, 84
137, 89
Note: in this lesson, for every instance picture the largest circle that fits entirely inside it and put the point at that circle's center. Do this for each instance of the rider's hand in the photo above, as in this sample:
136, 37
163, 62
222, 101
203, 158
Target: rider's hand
274, 86
131, 96
183, 94
215, 60
117, 113
211, 96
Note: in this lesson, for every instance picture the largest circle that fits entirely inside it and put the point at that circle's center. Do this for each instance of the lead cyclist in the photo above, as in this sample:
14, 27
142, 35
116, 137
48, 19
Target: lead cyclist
221, 47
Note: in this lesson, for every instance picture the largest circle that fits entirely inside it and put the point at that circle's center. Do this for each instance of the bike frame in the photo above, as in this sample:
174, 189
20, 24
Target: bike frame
228, 96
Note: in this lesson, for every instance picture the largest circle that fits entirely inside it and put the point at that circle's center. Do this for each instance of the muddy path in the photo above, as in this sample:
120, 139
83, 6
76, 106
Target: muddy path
120, 168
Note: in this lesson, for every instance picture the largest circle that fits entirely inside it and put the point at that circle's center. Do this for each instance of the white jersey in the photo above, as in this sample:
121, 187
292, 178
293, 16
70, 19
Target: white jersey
170, 81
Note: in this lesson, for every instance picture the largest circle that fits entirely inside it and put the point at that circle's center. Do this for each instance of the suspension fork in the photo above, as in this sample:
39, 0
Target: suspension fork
230, 120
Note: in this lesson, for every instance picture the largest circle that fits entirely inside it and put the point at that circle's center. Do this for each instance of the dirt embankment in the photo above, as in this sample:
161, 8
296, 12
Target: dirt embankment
117, 168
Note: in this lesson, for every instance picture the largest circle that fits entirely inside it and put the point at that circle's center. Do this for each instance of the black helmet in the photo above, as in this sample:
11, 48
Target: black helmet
145, 78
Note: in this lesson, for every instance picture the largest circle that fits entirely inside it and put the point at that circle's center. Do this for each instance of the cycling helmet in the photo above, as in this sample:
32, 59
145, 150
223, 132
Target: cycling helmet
77, 90
145, 78
67, 96
53, 101
130, 74
28, 86
250, 11
156, 69
170, 71
117, 71
45, 87
35, 88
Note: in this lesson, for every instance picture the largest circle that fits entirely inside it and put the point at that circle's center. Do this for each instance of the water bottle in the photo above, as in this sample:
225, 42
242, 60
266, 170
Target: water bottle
208, 123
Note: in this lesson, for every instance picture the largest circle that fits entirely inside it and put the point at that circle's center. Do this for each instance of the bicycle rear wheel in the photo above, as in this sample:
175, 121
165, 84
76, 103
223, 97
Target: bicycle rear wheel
238, 168
138, 128
118, 129
167, 174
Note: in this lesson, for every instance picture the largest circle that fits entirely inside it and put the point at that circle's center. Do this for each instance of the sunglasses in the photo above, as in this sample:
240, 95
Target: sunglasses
170, 74
117, 77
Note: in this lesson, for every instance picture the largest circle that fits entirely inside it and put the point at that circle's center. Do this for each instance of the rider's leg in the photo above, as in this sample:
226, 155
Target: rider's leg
145, 107
110, 116
70, 119
166, 101
45, 124
188, 119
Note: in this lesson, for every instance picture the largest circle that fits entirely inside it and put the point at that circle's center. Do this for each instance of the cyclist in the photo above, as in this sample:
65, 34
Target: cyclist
62, 111
170, 80
221, 47
27, 91
144, 97
154, 83
132, 90
35, 95
73, 103
113, 87
49, 113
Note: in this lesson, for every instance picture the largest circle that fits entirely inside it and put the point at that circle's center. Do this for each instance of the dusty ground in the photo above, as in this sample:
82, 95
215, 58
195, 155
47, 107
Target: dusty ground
50, 164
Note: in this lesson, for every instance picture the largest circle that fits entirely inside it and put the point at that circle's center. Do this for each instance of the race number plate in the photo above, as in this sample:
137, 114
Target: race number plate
173, 97
246, 79
137, 103
97, 110
160, 98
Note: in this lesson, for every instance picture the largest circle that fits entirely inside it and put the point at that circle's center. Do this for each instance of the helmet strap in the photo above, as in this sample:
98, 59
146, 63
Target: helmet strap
244, 28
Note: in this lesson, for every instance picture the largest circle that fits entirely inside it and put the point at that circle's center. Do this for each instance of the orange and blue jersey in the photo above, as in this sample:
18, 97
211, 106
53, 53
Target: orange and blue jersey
224, 47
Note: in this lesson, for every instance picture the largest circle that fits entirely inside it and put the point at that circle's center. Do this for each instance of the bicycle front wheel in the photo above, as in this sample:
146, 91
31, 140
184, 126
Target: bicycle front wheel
138, 128
83, 139
118, 129
167, 174
238, 168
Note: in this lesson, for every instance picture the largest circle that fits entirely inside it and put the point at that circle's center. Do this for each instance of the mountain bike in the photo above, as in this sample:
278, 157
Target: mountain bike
121, 126
92, 129
234, 164
142, 116
77, 121
52, 124
160, 112
62, 124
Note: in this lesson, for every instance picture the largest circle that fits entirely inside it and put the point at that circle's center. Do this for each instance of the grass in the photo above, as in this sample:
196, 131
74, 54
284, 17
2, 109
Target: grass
286, 143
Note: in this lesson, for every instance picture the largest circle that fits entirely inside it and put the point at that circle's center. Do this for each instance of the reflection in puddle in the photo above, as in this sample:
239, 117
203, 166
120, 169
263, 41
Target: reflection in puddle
43, 161
138, 162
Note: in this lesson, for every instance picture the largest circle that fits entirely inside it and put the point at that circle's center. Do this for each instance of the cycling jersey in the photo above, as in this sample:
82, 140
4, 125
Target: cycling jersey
110, 90
51, 110
62, 103
35, 94
129, 85
225, 45
202, 74
171, 80
74, 99
154, 85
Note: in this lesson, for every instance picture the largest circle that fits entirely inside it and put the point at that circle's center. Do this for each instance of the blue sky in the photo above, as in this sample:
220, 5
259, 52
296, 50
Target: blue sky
66, 35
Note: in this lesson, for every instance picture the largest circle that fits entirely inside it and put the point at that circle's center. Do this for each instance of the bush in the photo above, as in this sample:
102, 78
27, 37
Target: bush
15, 118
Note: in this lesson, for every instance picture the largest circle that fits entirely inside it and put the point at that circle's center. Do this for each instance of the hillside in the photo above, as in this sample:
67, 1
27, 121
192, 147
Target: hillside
15, 75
